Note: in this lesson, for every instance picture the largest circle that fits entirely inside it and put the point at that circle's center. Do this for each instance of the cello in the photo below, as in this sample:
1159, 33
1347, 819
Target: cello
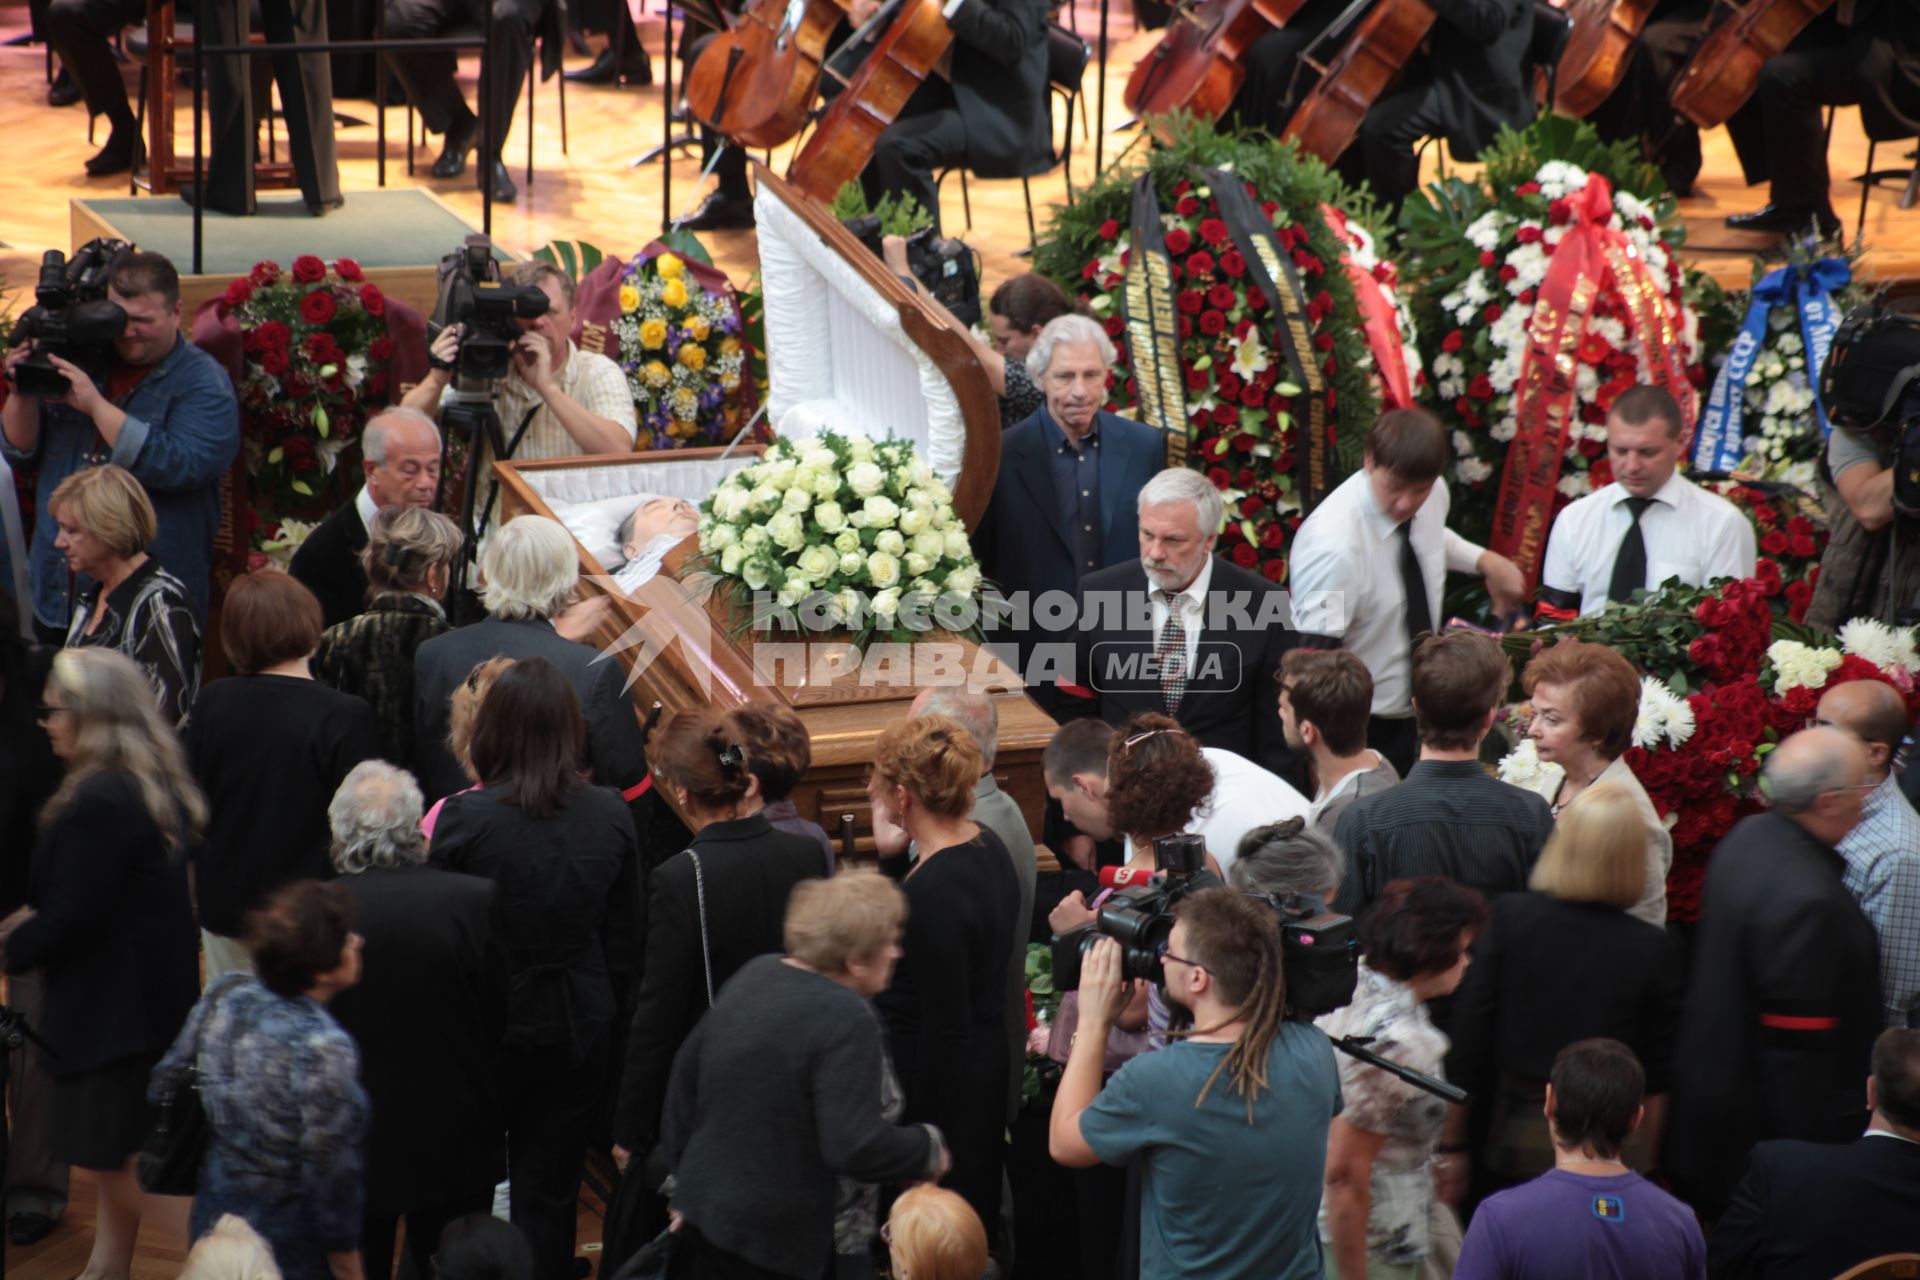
1329, 116
756, 82
1599, 49
1198, 64
1725, 70
914, 43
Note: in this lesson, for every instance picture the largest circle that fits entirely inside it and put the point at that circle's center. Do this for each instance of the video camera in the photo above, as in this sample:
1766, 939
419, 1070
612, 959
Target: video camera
947, 268
471, 295
71, 318
1319, 950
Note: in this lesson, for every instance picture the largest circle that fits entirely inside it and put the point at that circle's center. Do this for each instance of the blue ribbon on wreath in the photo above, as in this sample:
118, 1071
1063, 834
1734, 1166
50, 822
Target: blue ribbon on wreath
1720, 443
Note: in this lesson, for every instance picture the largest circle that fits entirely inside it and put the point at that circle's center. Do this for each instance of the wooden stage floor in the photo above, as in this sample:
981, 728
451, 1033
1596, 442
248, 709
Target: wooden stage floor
591, 194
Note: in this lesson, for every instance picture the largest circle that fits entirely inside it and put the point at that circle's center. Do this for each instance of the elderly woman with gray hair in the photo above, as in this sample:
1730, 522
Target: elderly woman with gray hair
429, 1015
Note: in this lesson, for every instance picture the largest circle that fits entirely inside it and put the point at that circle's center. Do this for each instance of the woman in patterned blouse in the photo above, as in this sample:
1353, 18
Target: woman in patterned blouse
131, 604
280, 1082
1380, 1212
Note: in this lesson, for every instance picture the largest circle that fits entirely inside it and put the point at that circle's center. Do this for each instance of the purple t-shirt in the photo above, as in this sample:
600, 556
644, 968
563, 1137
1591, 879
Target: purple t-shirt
1568, 1226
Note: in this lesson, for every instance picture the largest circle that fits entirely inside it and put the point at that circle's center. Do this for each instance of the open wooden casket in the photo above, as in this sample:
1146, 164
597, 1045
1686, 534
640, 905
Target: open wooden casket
852, 349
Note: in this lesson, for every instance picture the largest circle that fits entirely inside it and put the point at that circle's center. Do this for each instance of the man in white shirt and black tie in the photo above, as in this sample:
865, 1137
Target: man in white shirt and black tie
1369, 563
1650, 524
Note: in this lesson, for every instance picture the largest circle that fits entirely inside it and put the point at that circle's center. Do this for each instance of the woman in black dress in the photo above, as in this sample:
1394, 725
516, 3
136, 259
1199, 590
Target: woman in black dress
945, 1012
710, 909
109, 927
269, 747
562, 854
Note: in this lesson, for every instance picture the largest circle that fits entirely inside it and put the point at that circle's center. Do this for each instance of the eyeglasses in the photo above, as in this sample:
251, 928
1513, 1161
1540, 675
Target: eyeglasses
1195, 964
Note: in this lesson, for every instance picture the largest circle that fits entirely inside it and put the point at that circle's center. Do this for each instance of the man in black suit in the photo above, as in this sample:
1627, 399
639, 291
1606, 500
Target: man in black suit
1809, 1210
1063, 505
1784, 1000
1180, 632
531, 573
400, 453
428, 1014
990, 114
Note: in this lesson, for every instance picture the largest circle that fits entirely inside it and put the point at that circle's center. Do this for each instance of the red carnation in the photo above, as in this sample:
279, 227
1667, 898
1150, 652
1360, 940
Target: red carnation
317, 307
1774, 543
1233, 263
1109, 229
1245, 556
1481, 388
274, 361
237, 293
1593, 349
1527, 234
1527, 297
1186, 206
1560, 213
1089, 271
1528, 188
1200, 264
1493, 312
1507, 272
373, 300
308, 269
1486, 258
1178, 241
1183, 186
1454, 341
1213, 231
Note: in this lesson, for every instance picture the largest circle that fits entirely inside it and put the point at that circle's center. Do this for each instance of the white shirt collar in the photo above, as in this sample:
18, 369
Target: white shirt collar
1671, 494
1196, 591
1888, 1133
367, 507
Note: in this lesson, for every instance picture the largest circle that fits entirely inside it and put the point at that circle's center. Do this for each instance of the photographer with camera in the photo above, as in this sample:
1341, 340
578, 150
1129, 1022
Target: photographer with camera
550, 398
1247, 1091
109, 378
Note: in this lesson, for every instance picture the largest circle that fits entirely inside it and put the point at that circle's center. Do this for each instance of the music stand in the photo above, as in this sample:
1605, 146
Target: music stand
670, 141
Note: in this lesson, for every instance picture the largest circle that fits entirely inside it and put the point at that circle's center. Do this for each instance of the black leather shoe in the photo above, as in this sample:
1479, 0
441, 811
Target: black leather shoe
24, 1229
63, 92
1774, 219
190, 194
453, 155
122, 152
504, 192
321, 208
636, 69
721, 211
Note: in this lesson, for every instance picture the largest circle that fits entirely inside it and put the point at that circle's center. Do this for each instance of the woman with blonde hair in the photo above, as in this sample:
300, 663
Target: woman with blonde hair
109, 926
129, 602
231, 1251
1565, 961
408, 559
945, 1012
462, 712
934, 1235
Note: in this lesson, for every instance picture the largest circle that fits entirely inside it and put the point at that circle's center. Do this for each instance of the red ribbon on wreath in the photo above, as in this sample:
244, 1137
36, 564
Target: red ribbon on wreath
1589, 258
1378, 322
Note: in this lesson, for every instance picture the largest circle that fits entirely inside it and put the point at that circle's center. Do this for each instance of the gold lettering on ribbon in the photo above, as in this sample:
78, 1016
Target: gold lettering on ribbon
1653, 322
1295, 318
1152, 338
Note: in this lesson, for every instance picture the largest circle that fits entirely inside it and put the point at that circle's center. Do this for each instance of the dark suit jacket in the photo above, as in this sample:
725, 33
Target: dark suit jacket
1809, 1211
328, 562
1233, 703
616, 750
428, 1013
1000, 86
1022, 540
1782, 1008
113, 934
749, 869
1478, 53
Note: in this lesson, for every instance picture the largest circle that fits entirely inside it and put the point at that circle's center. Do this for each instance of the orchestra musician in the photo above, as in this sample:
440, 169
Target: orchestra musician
1639, 109
729, 206
1864, 52
1265, 97
989, 113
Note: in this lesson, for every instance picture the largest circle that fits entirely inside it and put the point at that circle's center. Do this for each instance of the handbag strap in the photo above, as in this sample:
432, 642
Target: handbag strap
700, 899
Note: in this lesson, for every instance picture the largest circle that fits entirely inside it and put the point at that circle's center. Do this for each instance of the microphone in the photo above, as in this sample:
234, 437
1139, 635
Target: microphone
1130, 878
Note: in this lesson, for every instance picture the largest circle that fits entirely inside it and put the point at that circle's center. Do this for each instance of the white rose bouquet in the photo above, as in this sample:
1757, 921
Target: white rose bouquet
849, 534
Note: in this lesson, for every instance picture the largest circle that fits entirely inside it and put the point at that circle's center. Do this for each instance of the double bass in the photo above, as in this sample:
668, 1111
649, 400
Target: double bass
913, 45
1377, 49
1198, 66
1599, 50
756, 82
1724, 71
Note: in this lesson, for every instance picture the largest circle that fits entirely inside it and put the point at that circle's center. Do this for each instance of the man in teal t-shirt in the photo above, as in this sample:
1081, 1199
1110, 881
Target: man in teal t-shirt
1229, 1125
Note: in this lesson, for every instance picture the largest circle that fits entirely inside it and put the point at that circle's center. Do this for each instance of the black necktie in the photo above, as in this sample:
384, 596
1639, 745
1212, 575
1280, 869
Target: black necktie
1630, 562
1419, 615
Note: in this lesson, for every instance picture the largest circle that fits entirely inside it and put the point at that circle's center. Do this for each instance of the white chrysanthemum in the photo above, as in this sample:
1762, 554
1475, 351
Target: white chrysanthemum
1664, 720
1503, 428
1474, 470
1486, 231
1885, 647
1575, 484
1523, 767
1796, 665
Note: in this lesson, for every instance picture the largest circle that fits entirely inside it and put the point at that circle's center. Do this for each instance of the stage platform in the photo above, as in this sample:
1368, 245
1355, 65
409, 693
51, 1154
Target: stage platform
398, 236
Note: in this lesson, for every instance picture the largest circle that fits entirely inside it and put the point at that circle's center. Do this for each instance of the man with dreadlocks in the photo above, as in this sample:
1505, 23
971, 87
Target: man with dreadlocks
1229, 1124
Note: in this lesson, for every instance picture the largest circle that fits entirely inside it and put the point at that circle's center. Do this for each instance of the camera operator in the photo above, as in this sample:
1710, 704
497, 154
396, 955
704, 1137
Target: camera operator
1871, 567
164, 410
556, 400
1247, 1091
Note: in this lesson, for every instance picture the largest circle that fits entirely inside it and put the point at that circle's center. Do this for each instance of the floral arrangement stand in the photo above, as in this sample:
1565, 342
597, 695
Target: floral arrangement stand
1286, 330
682, 640
1727, 676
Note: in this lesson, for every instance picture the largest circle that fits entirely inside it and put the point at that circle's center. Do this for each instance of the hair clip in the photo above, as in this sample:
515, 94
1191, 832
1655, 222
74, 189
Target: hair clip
731, 760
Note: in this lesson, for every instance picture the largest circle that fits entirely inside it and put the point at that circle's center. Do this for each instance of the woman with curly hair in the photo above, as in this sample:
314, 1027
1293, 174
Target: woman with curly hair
946, 1010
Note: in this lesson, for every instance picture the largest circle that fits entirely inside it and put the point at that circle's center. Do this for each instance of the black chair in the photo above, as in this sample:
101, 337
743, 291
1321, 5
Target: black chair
1551, 31
1874, 177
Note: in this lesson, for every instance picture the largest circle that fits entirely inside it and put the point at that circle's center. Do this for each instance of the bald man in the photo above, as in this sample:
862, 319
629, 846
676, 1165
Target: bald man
1883, 852
1784, 1001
